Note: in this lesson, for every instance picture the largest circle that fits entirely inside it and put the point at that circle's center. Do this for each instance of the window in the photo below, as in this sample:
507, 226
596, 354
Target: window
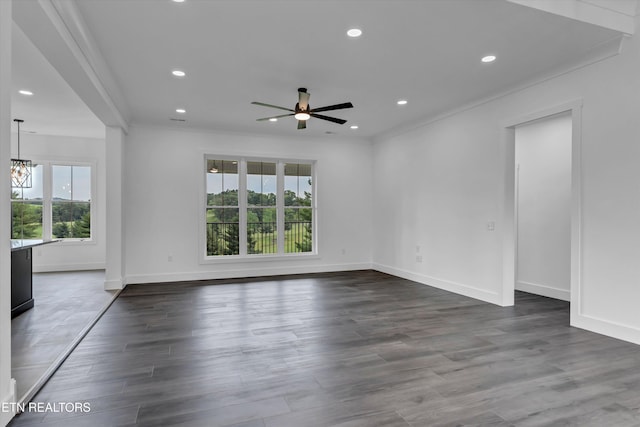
298, 212
58, 206
262, 215
223, 221
258, 207
71, 202
26, 208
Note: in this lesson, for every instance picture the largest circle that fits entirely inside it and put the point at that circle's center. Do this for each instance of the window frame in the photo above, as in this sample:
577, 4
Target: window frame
47, 200
244, 207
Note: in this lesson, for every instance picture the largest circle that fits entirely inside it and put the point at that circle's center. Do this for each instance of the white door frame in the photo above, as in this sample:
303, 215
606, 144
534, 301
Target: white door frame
509, 235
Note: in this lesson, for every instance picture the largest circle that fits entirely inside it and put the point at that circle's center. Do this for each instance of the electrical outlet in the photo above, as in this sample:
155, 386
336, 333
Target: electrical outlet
344, 251
170, 258
491, 226
417, 249
418, 258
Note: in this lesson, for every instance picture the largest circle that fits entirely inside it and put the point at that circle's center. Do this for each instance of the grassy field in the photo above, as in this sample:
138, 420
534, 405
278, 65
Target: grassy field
266, 243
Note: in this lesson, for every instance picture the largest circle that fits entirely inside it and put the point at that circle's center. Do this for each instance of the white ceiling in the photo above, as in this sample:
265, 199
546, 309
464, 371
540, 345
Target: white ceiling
239, 51
54, 109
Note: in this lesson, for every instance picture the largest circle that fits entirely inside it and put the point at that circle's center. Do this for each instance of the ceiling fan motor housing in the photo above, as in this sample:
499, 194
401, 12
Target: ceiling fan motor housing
300, 110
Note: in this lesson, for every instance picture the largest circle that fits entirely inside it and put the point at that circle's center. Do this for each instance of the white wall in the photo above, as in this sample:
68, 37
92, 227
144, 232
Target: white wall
163, 175
70, 256
439, 184
7, 384
543, 157
435, 188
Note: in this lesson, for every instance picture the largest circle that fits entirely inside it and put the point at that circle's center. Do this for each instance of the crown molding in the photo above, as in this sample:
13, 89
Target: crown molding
614, 15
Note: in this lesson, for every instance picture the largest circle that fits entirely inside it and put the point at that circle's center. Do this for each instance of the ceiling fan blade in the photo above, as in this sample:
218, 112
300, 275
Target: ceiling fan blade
302, 124
331, 119
303, 98
273, 117
333, 107
272, 106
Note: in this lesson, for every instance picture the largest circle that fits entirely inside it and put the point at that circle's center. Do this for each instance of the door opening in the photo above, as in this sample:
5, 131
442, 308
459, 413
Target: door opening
509, 221
543, 206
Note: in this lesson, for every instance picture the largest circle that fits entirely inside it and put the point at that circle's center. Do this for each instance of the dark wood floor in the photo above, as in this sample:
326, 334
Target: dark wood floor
342, 349
65, 303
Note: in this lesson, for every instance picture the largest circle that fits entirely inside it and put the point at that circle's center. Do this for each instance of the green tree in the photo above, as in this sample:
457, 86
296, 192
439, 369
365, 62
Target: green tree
26, 220
306, 245
60, 230
225, 198
232, 239
82, 228
251, 241
213, 239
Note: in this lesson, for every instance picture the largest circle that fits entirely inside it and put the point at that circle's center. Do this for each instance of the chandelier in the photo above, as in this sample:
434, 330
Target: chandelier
20, 168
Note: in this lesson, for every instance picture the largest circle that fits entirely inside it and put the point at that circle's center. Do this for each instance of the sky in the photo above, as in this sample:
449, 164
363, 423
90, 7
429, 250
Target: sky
68, 182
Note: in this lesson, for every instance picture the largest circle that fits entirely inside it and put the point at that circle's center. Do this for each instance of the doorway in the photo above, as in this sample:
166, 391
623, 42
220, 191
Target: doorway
543, 206
510, 221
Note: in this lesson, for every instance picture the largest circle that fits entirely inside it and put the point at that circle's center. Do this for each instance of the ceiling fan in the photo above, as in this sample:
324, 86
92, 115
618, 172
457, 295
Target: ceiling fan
303, 112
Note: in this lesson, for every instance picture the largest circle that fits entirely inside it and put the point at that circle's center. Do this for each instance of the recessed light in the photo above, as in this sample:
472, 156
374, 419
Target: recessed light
354, 32
489, 58
402, 102
181, 110
25, 92
178, 1
354, 126
273, 119
178, 73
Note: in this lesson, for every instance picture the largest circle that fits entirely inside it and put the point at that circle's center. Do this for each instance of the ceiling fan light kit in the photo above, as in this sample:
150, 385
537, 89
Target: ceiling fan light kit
302, 116
302, 111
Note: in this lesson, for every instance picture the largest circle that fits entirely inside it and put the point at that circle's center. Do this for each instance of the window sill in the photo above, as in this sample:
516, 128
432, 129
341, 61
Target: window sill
224, 259
76, 242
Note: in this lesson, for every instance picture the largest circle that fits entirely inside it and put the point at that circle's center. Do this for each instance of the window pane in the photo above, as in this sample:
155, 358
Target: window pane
291, 191
297, 184
223, 228
26, 222
33, 193
222, 182
61, 182
261, 184
26, 217
262, 231
223, 231
298, 230
71, 220
214, 184
81, 183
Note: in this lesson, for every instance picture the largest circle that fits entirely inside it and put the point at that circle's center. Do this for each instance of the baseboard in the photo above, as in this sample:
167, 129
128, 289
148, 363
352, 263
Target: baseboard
51, 268
545, 291
241, 273
606, 327
446, 285
114, 285
8, 402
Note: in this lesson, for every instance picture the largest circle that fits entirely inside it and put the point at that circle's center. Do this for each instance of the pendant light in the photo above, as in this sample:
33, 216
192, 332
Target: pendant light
20, 168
